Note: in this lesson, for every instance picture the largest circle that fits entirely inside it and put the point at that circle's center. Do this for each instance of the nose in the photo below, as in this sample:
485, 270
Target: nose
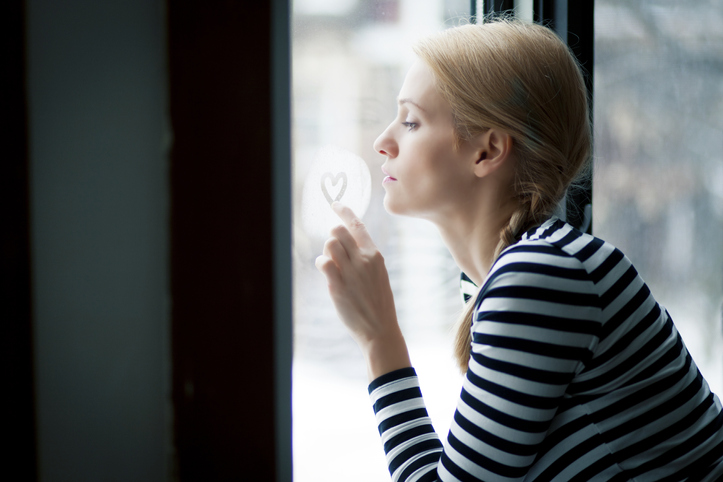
385, 143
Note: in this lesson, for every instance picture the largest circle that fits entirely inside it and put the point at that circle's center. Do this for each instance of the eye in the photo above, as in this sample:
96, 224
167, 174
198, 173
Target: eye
410, 125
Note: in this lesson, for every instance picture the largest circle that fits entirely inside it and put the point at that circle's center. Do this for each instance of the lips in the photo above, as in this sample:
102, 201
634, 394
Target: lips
388, 178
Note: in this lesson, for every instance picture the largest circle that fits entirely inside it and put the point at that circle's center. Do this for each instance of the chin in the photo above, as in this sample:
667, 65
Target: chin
399, 209
391, 207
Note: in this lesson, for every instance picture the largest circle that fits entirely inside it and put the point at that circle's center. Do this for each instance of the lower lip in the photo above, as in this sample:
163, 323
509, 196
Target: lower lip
388, 179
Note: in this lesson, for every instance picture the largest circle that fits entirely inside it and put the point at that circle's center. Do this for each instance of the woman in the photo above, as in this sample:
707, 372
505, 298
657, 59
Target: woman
572, 370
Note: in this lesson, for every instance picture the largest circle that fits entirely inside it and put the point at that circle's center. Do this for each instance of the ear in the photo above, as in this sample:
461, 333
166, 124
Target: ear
494, 150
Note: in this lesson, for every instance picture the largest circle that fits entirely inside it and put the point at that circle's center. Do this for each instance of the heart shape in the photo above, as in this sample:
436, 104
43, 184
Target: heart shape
334, 181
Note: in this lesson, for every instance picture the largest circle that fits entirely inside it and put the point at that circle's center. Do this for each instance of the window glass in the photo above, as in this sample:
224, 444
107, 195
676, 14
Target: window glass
349, 60
658, 183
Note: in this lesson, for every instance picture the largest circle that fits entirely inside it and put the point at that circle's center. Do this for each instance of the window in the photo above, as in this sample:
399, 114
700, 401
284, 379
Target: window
658, 184
658, 180
349, 60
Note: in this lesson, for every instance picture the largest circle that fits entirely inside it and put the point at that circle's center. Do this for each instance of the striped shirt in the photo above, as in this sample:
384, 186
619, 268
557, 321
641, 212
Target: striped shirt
576, 373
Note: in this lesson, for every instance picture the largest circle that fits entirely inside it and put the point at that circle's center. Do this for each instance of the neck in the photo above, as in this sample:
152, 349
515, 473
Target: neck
473, 234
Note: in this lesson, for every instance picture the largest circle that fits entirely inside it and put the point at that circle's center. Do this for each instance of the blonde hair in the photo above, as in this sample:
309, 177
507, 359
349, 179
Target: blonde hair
520, 78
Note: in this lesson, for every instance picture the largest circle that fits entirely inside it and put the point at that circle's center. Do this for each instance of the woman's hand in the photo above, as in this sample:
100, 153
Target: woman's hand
359, 287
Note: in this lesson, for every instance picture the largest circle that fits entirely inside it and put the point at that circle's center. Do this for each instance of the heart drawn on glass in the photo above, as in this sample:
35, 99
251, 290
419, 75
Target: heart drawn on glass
334, 181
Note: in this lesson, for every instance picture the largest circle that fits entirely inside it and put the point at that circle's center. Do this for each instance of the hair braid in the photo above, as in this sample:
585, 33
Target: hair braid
526, 215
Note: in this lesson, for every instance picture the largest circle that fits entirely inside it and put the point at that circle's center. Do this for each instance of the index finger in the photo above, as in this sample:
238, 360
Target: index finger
355, 225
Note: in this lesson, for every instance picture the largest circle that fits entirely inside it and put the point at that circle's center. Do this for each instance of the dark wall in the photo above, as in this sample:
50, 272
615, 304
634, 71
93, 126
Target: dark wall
99, 137
146, 240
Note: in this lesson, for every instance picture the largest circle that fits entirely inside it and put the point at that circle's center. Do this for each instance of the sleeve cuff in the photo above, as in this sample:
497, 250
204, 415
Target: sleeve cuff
392, 377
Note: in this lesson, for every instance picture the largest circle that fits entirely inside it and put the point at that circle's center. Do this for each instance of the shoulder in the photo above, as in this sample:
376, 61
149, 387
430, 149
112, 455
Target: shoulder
543, 283
544, 256
556, 262
553, 267
558, 250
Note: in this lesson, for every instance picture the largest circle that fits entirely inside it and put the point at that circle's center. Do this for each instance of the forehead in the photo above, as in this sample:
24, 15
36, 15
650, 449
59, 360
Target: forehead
419, 89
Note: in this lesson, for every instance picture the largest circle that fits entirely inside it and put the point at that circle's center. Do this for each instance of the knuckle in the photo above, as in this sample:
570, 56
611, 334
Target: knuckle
338, 231
327, 266
376, 257
331, 243
319, 264
357, 224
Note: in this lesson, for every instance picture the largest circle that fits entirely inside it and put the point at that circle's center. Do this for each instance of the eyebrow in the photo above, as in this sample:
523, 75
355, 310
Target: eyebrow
407, 100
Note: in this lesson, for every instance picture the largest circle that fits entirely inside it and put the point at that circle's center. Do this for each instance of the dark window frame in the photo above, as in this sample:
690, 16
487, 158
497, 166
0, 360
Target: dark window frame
15, 267
230, 239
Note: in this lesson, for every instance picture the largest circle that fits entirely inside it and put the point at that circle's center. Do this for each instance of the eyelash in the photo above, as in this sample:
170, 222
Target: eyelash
410, 125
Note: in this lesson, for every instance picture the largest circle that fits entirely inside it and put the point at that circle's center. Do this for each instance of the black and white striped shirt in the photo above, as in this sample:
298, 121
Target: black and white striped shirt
576, 373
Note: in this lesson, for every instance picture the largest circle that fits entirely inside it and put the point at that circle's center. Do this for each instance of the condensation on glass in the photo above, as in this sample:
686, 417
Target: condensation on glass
349, 61
658, 183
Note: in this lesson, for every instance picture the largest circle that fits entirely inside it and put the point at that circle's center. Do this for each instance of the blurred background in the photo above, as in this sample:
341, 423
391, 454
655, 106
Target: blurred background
658, 182
657, 195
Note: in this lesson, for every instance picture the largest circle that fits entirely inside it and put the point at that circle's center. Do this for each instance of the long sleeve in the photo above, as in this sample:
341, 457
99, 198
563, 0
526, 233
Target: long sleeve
410, 442
533, 331
525, 351
576, 373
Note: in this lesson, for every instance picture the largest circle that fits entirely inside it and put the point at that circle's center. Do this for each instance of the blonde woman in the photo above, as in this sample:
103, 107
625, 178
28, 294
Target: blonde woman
572, 370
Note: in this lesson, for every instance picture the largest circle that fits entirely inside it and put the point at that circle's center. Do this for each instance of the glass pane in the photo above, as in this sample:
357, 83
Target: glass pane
658, 187
349, 61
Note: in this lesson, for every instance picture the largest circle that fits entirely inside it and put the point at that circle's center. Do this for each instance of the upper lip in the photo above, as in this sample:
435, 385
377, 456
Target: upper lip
385, 172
